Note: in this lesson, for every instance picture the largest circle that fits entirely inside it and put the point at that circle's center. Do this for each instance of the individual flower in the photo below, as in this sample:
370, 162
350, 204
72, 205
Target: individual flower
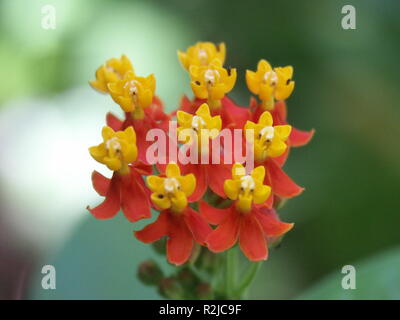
133, 93
245, 221
126, 189
297, 138
212, 82
232, 115
181, 224
113, 70
270, 84
201, 54
269, 142
247, 189
202, 126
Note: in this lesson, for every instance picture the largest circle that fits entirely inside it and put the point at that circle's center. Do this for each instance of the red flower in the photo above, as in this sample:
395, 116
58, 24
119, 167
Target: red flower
177, 220
183, 230
252, 229
126, 192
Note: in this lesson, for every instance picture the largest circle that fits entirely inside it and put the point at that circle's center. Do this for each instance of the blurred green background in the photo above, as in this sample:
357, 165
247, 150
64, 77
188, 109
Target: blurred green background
347, 88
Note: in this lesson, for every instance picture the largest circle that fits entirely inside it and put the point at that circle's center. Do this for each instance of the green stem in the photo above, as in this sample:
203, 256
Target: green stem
248, 278
230, 275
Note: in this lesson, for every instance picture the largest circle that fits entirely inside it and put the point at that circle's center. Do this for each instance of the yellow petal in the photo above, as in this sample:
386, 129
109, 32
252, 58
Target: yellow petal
107, 133
261, 194
172, 170
155, 183
258, 173
231, 188
284, 92
217, 92
161, 201
221, 52
179, 202
98, 152
244, 203
263, 66
112, 163
130, 134
130, 153
199, 90
231, 80
184, 119
252, 82
266, 119
203, 111
277, 148
188, 184
283, 131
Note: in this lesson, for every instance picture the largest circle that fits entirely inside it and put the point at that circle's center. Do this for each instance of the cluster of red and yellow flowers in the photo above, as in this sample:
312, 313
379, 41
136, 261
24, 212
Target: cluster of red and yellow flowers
200, 203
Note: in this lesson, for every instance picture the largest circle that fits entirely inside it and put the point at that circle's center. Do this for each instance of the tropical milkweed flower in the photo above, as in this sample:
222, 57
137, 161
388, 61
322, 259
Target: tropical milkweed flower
202, 126
269, 142
183, 225
126, 189
114, 69
201, 54
133, 93
212, 82
270, 84
246, 221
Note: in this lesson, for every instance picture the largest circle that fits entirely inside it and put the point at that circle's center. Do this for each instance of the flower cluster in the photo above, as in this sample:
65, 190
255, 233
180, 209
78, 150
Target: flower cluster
204, 206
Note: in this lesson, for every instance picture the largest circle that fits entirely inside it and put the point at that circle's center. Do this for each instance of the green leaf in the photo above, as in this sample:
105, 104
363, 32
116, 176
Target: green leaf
377, 277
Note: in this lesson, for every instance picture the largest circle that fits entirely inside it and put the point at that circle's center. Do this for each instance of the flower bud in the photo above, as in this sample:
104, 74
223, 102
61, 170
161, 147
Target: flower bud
204, 291
150, 273
170, 288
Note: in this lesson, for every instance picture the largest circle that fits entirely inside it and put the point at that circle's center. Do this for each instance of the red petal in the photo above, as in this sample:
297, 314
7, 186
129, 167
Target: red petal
213, 215
226, 234
282, 159
143, 168
280, 182
253, 104
100, 183
271, 224
232, 115
300, 138
180, 242
197, 225
154, 231
280, 112
251, 239
111, 204
134, 200
113, 122
216, 176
